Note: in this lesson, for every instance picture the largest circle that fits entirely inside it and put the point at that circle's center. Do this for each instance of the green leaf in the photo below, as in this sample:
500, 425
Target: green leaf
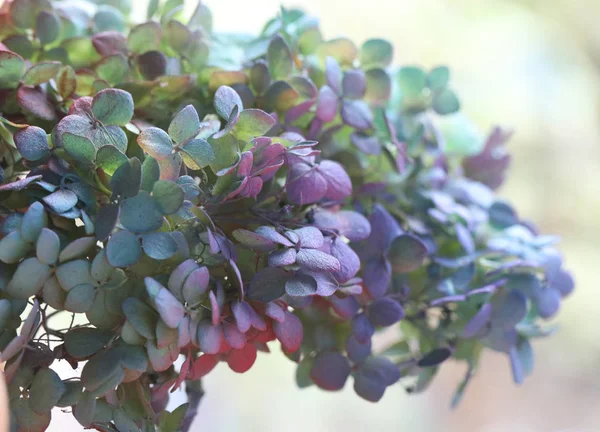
438, 78
376, 52
177, 36
280, 96
279, 57
406, 254
79, 148
141, 214
66, 81
156, 142
113, 107
123, 249
141, 317
341, 49
47, 247
185, 125
109, 18
159, 245
12, 67
197, 154
80, 298
127, 179
41, 72
171, 421
150, 173
225, 100
144, 37
252, 123
378, 86
32, 143
113, 69
110, 158
168, 195
84, 341
47, 27
445, 102
303, 378
46, 390
28, 279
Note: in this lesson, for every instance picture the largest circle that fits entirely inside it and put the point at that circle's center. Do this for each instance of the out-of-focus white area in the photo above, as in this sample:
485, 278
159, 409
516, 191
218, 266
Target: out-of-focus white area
533, 65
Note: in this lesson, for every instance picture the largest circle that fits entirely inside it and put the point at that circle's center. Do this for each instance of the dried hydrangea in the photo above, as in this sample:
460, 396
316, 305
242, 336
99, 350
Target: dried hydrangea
199, 194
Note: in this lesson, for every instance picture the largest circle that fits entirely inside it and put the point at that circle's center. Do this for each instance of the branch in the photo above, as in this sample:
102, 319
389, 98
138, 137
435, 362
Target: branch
194, 393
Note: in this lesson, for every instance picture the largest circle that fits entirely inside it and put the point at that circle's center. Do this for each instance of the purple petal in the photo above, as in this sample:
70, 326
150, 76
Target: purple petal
384, 229
564, 283
242, 315
348, 223
326, 284
478, 322
289, 332
314, 259
357, 114
245, 165
357, 352
234, 337
377, 274
339, 185
385, 312
362, 328
354, 84
273, 235
327, 105
345, 307
547, 301
349, 261
209, 337
333, 74
305, 185
368, 144
283, 257
310, 237
274, 311
330, 370
508, 308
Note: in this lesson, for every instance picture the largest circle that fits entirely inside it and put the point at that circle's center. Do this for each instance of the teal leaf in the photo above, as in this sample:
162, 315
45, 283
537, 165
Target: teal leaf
168, 195
141, 316
28, 279
185, 125
32, 143
77, 248
445, 102
123, 249
141, 214
85, 408
159, 245
376, 53
127, 179
34, 220
13, 247
113, 107
61, 201
411, 82
72, 394
438, 78
106, 220
47, 27
197, 154
80, 298
84, 341
47, 247
74, 273
225, 100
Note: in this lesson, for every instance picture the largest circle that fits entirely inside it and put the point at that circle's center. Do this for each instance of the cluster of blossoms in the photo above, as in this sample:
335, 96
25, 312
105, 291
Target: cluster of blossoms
199, 194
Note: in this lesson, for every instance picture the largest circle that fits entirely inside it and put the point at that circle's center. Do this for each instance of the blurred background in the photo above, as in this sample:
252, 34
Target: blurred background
531, 65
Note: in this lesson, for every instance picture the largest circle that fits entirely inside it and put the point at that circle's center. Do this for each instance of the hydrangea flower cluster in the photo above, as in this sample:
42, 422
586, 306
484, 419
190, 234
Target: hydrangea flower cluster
203, 195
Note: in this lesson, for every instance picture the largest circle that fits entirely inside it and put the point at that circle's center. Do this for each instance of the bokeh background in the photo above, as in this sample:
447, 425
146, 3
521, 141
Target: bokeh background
532, 65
